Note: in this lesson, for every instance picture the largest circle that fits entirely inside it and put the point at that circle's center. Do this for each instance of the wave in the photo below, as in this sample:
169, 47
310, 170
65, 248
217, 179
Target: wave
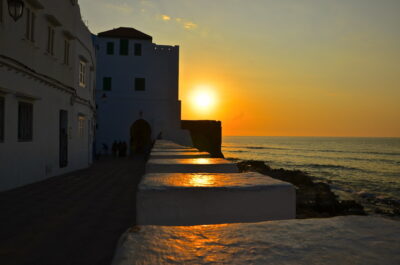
256, 147
360, 152
338, 158
324, 166
312, 150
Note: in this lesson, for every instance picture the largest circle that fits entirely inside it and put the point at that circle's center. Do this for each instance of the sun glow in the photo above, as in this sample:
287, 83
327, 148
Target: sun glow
203, 98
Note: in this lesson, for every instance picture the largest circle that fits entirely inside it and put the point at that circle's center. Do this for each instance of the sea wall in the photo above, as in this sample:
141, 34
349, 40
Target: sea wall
341, 240
206, 135
186, 191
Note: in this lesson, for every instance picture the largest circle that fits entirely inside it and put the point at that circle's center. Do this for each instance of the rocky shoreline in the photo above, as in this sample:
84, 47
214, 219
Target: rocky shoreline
313, 199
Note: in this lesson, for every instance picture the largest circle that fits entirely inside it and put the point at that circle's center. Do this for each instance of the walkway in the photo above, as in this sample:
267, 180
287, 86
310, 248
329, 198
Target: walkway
73, 219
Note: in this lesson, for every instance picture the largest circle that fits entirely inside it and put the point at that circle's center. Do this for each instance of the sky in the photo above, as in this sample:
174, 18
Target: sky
277, 68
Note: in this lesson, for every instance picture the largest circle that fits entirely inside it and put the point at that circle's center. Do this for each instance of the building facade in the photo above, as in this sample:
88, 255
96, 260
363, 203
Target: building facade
47, 86
137, 90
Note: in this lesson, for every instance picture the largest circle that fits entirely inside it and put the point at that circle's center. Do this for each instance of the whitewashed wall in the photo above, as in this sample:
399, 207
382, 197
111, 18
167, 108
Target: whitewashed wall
159, 105
28, 72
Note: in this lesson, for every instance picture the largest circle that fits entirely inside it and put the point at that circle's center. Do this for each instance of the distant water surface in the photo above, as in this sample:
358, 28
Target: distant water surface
366, 167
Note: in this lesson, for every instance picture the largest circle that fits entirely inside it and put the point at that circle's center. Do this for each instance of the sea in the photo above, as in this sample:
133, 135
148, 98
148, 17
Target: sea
363, 169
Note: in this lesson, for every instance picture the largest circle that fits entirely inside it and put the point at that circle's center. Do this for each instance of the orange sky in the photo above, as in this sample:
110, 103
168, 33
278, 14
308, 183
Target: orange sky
294, 68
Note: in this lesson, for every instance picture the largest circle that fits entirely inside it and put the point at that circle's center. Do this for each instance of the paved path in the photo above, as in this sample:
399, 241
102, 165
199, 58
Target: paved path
73, 219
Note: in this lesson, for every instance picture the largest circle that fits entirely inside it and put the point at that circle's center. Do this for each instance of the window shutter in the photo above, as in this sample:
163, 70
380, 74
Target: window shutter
124, 47
2, 112
140, 84
33, 20
25, 121
110, 48
107, 83
138, 49
28, 23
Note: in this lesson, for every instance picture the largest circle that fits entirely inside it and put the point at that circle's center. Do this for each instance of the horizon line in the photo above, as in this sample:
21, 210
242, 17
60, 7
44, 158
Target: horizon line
310, 136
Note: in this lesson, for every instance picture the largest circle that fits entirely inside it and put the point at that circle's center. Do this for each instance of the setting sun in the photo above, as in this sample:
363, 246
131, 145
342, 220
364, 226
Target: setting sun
203, 98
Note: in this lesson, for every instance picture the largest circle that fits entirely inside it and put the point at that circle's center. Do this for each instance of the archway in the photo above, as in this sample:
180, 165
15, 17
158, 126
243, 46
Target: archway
140, 136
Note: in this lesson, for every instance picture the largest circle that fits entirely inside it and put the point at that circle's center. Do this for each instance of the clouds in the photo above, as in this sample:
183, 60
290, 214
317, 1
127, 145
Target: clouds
133, 12
189, 25
185, 24
165, 17
123, 8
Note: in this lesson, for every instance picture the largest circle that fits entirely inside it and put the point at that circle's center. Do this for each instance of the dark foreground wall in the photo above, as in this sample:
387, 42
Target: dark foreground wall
206, 136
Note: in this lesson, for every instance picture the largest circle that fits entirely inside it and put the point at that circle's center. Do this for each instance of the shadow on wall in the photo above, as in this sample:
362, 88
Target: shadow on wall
206, 136
140, 137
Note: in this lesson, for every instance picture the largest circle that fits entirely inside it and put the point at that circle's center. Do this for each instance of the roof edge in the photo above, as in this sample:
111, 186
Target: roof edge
126, 33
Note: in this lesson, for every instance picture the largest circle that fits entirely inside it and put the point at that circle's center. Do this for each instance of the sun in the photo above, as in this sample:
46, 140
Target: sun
203, 98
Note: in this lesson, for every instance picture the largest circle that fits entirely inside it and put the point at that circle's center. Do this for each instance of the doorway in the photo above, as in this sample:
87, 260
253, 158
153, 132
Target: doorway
140, 137
63, 138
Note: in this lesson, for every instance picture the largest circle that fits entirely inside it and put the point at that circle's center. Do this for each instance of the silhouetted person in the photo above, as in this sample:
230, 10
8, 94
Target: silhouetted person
119, 153
96, 154
114, 149
124, 148
159, 137
121, 149
105, 149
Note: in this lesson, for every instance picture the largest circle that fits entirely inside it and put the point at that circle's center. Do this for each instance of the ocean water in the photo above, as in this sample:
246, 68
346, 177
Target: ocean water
358, 168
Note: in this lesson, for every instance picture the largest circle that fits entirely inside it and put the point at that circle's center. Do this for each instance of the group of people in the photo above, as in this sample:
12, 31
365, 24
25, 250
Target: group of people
119, 149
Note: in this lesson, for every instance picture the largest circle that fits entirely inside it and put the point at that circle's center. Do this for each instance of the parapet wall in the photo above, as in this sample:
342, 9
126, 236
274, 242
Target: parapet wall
206, 136
165, 49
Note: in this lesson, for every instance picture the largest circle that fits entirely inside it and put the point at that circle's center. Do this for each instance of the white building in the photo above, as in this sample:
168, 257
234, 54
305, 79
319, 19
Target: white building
137, 90
47, 75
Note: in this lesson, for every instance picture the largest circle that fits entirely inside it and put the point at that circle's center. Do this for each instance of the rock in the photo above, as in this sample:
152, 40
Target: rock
313, 199
253, 165
366, 195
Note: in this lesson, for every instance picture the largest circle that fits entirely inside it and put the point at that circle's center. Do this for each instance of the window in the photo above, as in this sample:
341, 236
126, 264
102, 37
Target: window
25, 122
2, 112
124, 47
138, 49
140, 84
82, 74
30, 25
81, 126
107, 83
50, 40
110, 48
1, 11
66, 52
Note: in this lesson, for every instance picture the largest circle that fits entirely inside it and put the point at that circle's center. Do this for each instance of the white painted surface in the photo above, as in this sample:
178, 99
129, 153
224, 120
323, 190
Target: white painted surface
342, 240
157, 149
203, 198
181, 154
166, 145
29, 73
195, 165
169, 146
159, 105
